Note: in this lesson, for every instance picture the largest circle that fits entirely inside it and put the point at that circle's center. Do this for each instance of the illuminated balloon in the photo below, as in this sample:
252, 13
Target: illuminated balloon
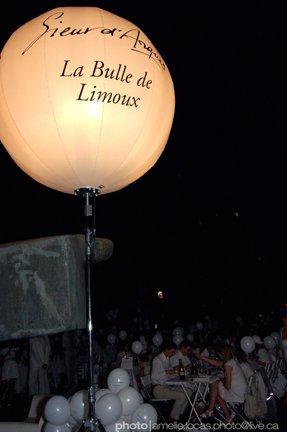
178, 331
85, 100
108, 408
247, 344
118, 379
57, 410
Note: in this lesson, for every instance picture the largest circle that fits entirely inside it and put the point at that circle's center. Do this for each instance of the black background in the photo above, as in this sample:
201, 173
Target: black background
207, 224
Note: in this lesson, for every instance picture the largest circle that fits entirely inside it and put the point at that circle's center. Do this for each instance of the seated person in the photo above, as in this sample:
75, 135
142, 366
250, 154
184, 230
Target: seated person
145, 363
124, 351
233, 387
183, 354
244, 364
162, 371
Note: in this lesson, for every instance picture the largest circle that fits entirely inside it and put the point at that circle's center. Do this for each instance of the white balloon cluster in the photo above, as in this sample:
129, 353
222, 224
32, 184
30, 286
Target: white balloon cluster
117, 407
123, 405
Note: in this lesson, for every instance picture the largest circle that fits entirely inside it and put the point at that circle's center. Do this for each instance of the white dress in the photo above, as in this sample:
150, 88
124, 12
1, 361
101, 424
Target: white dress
10, 366
238, 388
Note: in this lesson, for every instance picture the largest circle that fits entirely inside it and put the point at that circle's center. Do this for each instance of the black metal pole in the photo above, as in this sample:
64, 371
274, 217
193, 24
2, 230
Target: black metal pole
89, 195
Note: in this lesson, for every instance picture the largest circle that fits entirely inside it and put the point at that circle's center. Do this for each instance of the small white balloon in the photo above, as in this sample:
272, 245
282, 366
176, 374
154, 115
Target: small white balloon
118, 379
276, 336
178, 331
79, 405
108, 408
145, 416
49, 427
111, 338
157, 339
137, 347
247, 344
269, 342
130, 399
123, 335
101, 392
190, 337
177, 339
199, 325
57, 410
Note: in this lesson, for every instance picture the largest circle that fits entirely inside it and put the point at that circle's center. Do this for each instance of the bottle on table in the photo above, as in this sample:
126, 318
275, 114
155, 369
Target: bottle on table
181, 370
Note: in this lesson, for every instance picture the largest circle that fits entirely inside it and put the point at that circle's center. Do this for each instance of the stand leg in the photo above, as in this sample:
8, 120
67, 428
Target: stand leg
89, 194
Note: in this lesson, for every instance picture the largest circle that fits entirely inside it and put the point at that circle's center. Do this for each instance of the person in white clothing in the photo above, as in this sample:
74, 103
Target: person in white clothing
183, 354
232, 389
40, 350
262, 356
162, 371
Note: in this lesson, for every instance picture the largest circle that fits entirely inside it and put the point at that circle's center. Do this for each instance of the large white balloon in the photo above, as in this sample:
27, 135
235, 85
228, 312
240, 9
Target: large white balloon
57, 410
111, 338
137, 347
101, 392
79, 405
276, 336
49, 427
123, 335
177, 339
118, 379
269, 342
157, 339
98, 113
247, 344
131, 400
145, 416
108, 408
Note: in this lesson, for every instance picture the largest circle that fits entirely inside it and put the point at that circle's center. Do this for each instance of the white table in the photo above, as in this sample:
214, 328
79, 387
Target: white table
199, 393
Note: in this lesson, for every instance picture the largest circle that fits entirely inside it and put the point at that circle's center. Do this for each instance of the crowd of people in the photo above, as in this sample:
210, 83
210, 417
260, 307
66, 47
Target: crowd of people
56, 363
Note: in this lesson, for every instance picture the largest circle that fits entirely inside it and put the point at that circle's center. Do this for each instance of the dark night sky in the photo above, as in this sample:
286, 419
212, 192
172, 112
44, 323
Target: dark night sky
209, 220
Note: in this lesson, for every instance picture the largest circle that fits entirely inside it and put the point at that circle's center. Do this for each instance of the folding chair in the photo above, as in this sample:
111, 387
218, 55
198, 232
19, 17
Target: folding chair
145, 388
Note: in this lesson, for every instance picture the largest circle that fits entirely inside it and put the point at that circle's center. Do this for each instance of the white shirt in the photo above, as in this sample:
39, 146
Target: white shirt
174, 360
159, 366
238, 381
